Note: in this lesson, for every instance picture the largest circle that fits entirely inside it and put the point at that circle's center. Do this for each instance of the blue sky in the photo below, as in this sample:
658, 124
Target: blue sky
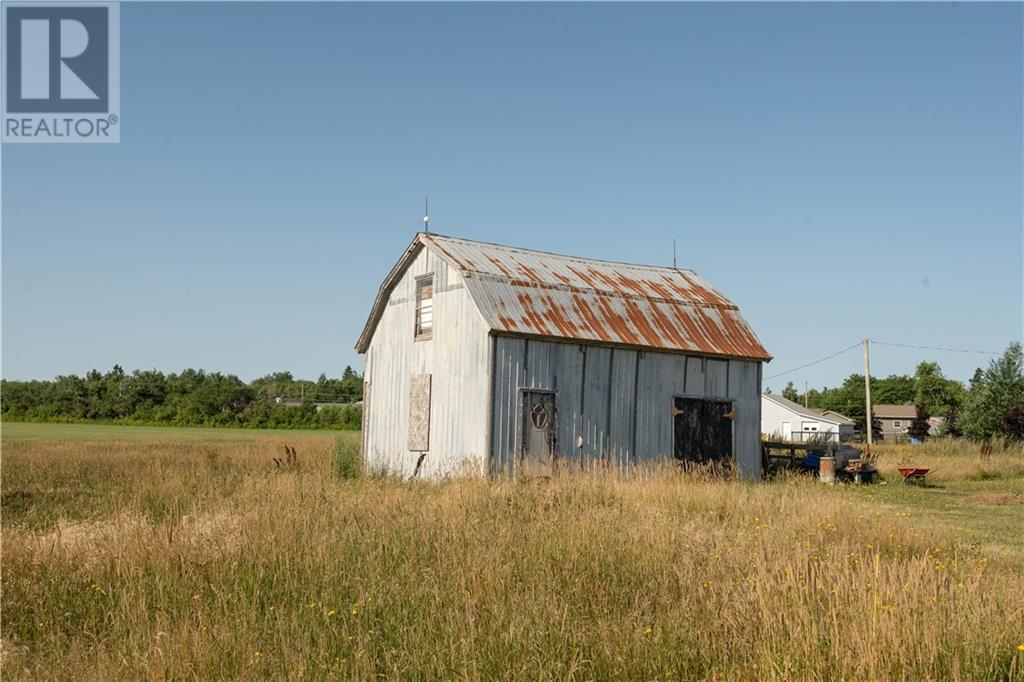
839, 170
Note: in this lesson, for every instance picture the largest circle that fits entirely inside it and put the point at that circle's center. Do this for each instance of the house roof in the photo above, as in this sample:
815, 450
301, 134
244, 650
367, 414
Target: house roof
810, 412
843, 419
534, 293
894, 411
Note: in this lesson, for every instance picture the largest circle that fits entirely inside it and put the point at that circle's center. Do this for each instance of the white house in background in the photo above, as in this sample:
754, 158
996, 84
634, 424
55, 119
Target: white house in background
794, 422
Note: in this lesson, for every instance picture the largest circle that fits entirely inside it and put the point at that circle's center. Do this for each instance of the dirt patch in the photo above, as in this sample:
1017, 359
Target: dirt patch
995, 499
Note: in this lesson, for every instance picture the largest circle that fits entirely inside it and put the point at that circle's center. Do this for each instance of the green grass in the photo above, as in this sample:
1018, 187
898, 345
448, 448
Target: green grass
987, 514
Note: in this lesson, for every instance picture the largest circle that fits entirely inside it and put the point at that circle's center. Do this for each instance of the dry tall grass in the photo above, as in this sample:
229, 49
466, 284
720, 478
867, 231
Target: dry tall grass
192, 560
953, 459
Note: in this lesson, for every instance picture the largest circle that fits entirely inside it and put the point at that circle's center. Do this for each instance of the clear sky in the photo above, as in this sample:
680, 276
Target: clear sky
838, 170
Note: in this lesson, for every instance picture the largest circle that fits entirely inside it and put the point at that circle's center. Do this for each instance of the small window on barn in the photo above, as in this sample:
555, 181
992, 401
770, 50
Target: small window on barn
424, 307
896, 423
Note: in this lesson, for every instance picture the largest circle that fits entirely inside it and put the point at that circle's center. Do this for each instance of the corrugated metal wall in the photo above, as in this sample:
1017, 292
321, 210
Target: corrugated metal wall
619, 401
457, 358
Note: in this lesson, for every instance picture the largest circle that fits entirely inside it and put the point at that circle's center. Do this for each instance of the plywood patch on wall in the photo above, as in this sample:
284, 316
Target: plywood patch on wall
419, 412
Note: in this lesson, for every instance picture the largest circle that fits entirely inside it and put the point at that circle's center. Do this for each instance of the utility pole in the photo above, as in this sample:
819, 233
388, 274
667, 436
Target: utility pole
867, 391
805, 395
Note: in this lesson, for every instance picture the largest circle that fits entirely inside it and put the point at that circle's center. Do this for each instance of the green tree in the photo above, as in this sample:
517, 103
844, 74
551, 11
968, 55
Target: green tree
951, 427
790, 393
999, 387
895, 389
933, 390
847, 398
876, 425
919, 425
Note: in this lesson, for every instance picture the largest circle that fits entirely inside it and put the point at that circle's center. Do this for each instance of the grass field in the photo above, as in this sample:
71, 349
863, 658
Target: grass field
135, 552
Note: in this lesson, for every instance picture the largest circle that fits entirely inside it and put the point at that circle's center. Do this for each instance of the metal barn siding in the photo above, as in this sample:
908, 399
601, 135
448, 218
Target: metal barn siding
614, 342
619, 402
458, 359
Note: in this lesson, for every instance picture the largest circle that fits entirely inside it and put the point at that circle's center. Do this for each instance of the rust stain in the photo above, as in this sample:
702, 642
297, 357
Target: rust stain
501, 268
591, 322
661, 291
554, 316
681, 293
532, 319
434, 243
669, 330
586, 280
608, 280
634, 286
530, 273
618, 324
640, 323
706, 295
745, 343
686, 317
532, 293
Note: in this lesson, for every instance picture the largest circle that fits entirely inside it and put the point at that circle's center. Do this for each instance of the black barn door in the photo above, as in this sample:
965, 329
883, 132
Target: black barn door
702, 430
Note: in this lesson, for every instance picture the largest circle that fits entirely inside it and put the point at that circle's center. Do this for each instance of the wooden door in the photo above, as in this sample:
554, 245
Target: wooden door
539, 428
702, 430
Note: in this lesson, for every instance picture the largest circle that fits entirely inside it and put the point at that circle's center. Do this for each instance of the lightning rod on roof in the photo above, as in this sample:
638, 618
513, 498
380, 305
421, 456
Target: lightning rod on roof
426, 214
673, 253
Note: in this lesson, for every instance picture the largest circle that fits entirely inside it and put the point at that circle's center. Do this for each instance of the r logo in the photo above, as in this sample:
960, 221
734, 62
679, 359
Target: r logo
57, 59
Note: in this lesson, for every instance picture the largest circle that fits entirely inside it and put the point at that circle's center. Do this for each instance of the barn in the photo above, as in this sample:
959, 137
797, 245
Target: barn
489, 359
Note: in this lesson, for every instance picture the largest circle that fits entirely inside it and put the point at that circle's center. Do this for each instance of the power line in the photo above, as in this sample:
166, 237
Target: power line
827, 357
950, 350
880, 343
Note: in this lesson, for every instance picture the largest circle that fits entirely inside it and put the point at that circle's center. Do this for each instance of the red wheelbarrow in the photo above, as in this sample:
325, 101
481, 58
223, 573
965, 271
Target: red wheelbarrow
913, 474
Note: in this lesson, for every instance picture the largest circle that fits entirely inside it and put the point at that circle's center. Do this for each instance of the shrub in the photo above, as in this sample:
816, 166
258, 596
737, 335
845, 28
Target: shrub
346, 462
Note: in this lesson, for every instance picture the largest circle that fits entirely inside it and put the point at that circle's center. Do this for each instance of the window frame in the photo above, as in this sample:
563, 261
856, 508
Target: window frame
897, 423
419, 333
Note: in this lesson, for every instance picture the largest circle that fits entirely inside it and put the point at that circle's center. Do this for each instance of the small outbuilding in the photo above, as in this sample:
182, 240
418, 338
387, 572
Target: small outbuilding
784, 419
489, 359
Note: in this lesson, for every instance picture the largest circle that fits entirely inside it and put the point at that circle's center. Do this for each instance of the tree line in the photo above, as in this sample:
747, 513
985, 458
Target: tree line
990, 406
192, 397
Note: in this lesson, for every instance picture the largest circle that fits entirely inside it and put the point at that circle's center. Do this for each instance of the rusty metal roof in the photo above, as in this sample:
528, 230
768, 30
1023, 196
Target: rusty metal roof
524, 292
